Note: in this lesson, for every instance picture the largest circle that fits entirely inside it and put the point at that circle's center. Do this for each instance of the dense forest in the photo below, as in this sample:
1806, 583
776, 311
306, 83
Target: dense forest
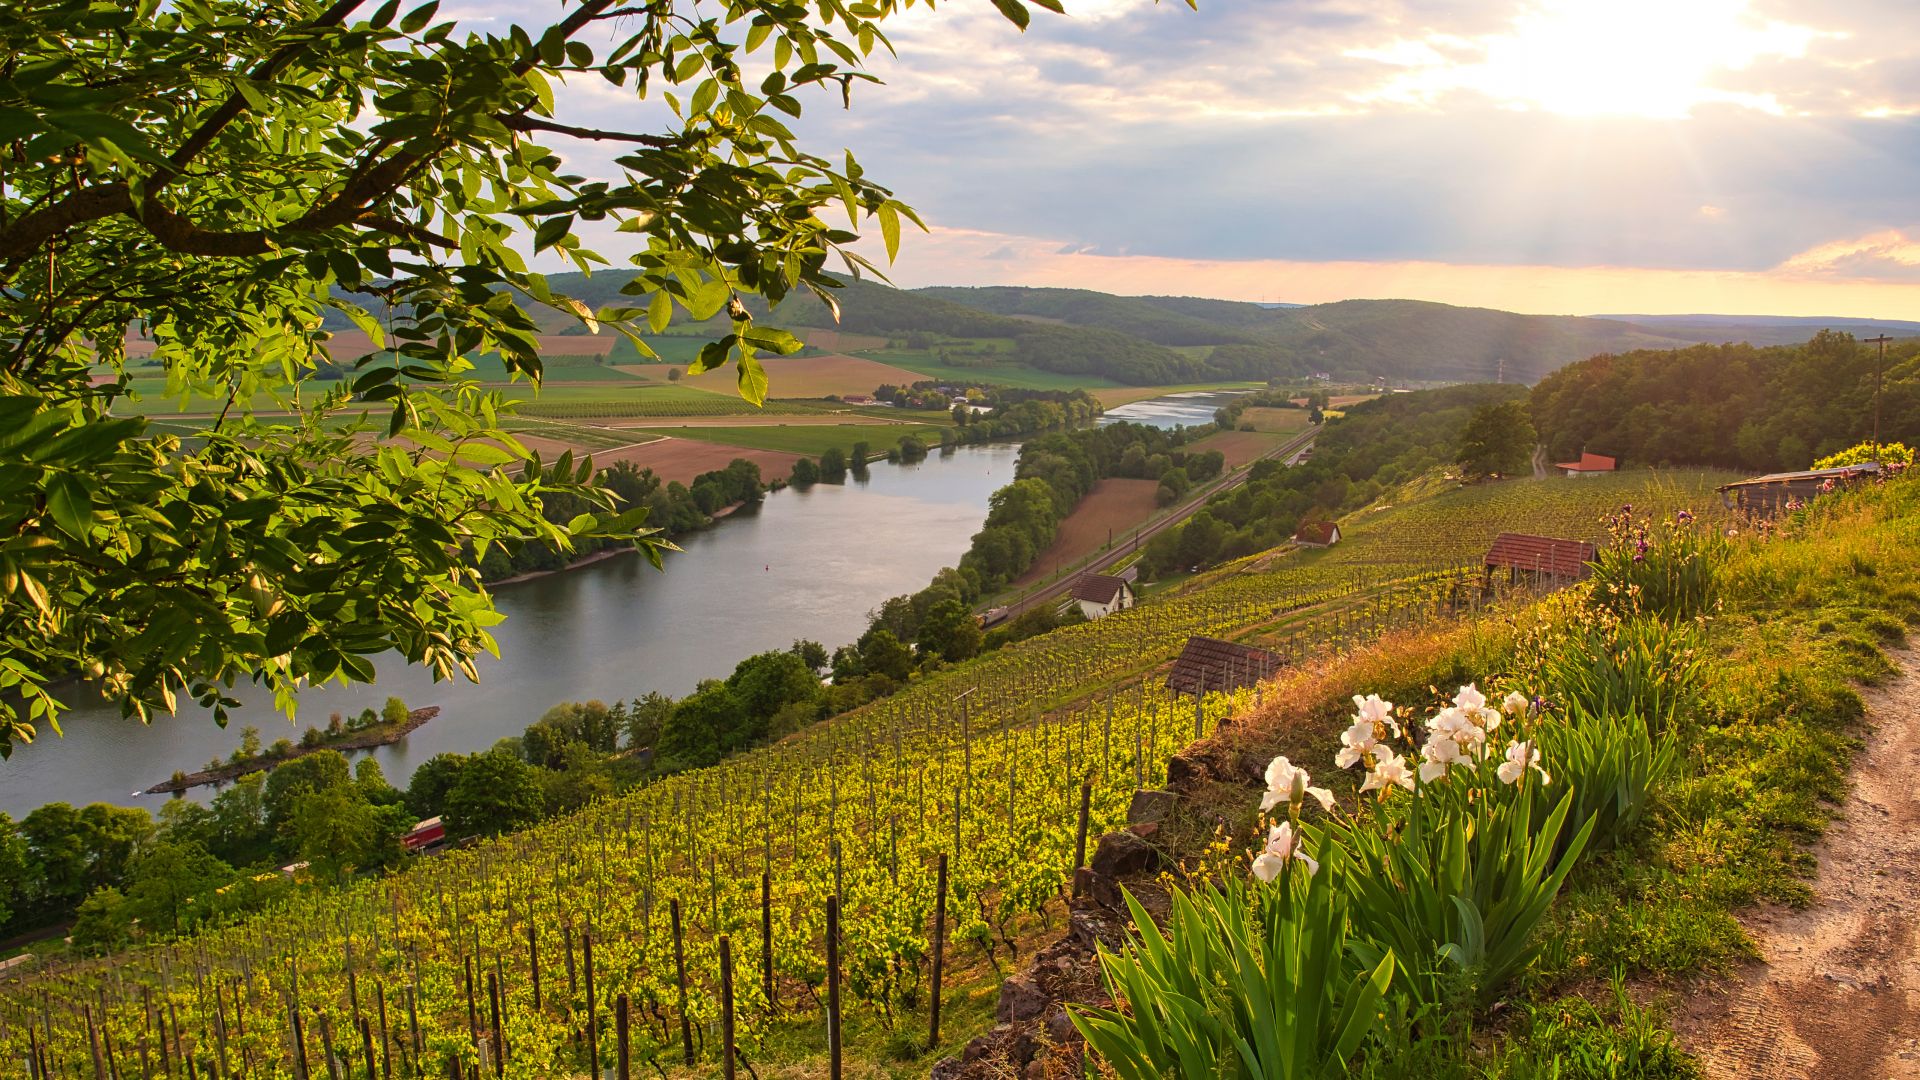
1734, 406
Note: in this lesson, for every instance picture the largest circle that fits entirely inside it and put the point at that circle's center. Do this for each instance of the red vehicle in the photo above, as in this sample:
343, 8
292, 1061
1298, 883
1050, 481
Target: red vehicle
430, 833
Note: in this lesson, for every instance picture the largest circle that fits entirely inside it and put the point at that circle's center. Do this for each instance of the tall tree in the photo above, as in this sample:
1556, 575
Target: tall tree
1497, 440
216, 189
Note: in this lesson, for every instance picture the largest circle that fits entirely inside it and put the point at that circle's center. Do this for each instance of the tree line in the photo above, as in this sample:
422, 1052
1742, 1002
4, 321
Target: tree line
1734, 406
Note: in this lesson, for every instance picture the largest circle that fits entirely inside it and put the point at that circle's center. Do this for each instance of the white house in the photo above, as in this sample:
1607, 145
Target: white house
1099, 595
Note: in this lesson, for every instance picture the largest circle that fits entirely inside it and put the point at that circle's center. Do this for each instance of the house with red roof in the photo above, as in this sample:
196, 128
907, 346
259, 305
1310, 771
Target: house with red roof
1589, 465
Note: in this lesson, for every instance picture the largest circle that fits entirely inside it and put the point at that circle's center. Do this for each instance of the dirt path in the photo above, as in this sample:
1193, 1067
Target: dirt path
1839, 994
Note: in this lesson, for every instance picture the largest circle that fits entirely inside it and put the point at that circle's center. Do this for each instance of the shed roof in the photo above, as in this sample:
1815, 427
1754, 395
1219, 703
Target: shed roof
1209, 664
1317, 532
1541, 554
1097, 588
1589, 463
1843, 472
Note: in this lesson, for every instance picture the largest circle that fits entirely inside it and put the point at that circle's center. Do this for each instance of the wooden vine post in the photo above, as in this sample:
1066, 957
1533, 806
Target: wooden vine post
726, 1007
939, 949
680, 977
833, 988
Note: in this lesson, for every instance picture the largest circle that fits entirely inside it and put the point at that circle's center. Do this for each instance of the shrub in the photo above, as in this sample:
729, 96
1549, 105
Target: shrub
1602, 665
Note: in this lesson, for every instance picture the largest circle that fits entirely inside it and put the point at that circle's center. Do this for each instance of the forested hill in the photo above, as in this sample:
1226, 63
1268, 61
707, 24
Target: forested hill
1167, 339
1737, 406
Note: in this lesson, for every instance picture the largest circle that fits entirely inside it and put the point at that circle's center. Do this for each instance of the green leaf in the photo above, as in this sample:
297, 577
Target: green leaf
660, 312
419, 17
712, 355
71, 504
753, 378
890, 229
1015, 11
773, 340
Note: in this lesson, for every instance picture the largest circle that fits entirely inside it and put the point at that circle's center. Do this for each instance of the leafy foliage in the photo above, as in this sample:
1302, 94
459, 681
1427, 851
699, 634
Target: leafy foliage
209, 183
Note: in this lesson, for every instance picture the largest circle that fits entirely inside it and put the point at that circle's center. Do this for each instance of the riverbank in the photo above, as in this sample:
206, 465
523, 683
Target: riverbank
378, 735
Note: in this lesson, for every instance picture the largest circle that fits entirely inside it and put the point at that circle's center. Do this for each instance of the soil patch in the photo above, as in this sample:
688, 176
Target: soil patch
1274, 418
684, 459
1113, 508
749, 420
1239, 447
1838, 992
793, 376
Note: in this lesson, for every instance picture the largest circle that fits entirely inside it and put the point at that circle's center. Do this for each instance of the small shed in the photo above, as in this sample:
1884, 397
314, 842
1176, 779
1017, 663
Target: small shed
1209, 665
1766, 494
1318, 534
1100, 595
1588, 465
857, 399
1540, 556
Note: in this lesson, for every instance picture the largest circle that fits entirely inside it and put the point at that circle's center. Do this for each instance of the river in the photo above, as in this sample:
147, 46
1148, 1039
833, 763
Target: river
1190, 409
805, 564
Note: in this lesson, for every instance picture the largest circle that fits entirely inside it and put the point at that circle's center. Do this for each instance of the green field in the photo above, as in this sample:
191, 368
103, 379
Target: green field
809, 439
924, 362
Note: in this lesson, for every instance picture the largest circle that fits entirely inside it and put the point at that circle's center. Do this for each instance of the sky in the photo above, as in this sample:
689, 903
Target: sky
1556, 156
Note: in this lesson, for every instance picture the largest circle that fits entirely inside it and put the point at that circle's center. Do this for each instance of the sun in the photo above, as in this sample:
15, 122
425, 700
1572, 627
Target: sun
1649, 58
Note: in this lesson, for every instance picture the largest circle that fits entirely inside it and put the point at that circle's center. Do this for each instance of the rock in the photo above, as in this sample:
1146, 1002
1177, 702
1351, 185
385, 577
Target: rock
1145, 829
1061, 1030
1150, 804
1186, 773
1122, 853
1021, 999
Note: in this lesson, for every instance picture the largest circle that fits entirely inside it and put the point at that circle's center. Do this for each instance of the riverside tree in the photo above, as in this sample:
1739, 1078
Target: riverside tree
214, 189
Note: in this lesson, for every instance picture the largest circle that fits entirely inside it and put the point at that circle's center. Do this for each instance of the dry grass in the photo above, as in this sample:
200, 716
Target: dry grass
1112, 509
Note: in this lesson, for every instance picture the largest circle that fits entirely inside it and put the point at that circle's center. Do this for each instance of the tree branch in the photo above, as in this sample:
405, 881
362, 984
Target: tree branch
528, 123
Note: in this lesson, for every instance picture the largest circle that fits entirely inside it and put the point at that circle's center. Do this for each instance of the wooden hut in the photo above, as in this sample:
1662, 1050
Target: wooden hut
1539, 557
1766, 494
1210, 665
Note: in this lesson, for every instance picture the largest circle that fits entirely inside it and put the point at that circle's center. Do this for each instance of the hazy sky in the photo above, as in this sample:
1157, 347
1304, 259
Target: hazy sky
1574, 156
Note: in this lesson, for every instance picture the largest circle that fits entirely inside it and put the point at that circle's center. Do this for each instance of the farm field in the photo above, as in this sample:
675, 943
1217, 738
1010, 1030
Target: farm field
810, 440
683, 459
837, 341
793, 376
1270, 418
924, 365
1338, 401
1113, 508
1238, 447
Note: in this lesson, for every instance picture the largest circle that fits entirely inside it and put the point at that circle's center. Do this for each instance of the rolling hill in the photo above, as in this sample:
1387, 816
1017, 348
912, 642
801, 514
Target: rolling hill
1155, 340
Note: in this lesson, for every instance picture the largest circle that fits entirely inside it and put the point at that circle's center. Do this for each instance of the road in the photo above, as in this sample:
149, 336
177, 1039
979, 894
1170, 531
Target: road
1289, 452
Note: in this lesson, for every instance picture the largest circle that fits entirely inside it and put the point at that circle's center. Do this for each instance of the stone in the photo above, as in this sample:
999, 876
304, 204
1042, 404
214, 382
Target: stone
1120, 854
1186, 773
1021, 999
1150, 804
1061, 1030
1145, 830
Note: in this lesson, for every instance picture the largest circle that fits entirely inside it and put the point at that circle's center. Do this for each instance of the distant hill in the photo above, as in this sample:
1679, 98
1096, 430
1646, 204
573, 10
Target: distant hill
1150, 340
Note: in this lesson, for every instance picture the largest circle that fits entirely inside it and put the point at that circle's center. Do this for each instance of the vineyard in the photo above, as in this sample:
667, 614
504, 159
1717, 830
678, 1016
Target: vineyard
619, 937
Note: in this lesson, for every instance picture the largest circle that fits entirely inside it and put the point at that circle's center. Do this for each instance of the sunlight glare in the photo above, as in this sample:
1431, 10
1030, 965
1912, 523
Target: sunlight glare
1651, 58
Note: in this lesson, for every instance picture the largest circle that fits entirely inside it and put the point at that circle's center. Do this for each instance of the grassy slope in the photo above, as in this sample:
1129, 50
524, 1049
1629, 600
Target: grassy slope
1803, 619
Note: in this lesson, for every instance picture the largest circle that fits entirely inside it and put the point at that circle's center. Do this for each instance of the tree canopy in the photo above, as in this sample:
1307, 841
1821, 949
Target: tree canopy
210, 189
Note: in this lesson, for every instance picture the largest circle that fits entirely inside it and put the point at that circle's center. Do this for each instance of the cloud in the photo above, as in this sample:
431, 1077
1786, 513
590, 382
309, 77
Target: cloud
1890, 255
957, 256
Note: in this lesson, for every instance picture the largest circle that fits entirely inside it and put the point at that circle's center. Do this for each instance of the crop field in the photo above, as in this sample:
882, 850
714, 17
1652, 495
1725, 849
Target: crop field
681, 459
1269, 418
795, 376
1112, 510
516, 956
837, 341
810, 440
1238, 447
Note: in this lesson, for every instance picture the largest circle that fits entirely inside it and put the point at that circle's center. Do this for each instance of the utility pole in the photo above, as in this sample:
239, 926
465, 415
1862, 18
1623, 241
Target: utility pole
1879, 370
